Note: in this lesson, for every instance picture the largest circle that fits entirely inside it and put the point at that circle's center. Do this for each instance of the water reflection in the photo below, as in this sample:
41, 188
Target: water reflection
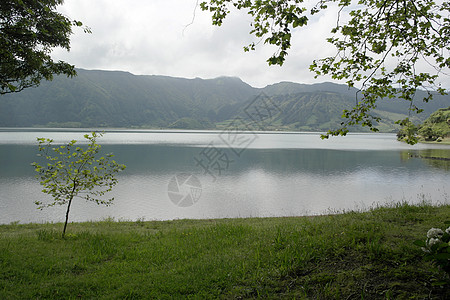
261, 181
436, 158
169, 159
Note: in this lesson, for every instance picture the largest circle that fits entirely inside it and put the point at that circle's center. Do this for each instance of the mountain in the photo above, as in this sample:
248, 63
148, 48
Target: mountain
121, 99
396, 106
285, 87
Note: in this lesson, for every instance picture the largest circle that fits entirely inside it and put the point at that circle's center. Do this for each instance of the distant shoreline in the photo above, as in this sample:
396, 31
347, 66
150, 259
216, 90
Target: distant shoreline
165, 130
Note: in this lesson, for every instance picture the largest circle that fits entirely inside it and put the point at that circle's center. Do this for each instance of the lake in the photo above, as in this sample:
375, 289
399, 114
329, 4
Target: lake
205, 174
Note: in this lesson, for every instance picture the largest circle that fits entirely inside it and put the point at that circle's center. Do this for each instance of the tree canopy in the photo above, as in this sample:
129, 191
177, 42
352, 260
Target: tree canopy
379, 48
72, 171
29, 30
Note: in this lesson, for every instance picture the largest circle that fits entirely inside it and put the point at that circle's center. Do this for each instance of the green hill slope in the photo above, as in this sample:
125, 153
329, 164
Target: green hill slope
436, 126
121, 99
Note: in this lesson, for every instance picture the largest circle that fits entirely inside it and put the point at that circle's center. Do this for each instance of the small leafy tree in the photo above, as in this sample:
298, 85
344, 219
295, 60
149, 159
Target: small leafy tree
72, 171
408, 132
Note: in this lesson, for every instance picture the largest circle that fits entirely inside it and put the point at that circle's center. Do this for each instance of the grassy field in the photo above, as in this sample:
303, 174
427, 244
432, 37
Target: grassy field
354, 255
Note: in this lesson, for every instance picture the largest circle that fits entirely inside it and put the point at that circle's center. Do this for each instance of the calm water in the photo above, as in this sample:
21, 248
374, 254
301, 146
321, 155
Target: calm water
175, 174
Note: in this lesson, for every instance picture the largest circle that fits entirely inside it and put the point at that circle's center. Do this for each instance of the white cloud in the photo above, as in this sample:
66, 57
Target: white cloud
151, 37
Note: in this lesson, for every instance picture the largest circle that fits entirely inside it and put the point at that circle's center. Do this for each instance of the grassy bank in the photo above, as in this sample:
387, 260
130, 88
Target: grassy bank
444, 141
366, 255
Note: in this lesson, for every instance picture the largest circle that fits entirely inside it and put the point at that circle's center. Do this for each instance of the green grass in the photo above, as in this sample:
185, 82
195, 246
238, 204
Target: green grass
444, 141
353, 255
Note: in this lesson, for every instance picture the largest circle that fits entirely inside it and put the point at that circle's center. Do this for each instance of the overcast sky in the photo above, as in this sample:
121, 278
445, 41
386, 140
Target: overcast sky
150, 37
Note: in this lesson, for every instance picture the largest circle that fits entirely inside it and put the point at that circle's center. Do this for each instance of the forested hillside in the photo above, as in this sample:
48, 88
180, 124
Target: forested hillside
436, 126
121, 99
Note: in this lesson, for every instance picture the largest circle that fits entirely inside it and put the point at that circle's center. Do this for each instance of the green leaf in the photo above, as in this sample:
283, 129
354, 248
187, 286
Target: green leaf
419, 243
439, 283
64, 178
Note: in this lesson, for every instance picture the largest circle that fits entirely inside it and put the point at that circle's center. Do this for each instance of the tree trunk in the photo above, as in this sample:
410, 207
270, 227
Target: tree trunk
68, 209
